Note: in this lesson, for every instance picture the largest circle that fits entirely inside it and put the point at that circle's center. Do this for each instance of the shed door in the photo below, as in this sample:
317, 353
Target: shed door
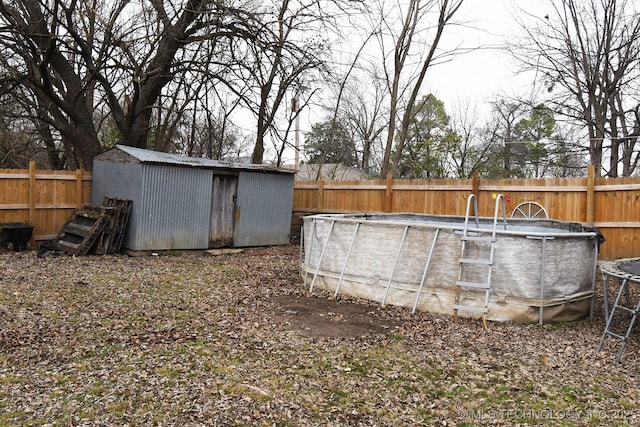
223, 207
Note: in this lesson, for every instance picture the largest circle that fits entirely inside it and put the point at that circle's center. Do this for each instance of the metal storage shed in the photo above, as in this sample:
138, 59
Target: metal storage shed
192, 203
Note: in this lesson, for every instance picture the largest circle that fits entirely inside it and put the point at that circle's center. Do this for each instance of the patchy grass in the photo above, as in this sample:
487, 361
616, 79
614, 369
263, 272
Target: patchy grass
195, 339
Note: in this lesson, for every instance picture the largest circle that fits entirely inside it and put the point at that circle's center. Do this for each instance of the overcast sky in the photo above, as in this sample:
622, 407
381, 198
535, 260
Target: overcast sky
473, 78
478, 76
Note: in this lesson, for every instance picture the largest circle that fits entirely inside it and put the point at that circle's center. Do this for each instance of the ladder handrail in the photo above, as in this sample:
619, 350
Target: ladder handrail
500, 202
499, 198
475, 211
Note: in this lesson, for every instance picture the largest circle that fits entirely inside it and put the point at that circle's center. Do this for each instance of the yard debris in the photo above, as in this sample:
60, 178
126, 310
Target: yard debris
95, 230
190, 339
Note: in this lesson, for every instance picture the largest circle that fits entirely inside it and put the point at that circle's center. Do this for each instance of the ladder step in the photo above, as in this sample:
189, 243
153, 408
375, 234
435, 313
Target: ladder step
475, 285
469, 308
479, 239
613, 334
630, 310
476, 261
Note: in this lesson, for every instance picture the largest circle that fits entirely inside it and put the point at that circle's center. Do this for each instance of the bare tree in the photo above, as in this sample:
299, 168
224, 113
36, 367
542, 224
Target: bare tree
588, 54
85, 57
506, 113
291, 49
365, 113
470, 151
415, 42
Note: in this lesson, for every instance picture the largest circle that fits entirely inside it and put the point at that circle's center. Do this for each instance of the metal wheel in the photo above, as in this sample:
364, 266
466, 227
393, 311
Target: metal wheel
529, 210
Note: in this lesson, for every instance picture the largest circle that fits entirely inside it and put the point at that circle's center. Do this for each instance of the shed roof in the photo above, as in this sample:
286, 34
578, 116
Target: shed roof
157, 157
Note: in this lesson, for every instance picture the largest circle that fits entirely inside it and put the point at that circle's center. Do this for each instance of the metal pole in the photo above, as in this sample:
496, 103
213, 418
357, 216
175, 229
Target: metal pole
296, 110
300, 249
311, 239
297, 142
593, 281
426, 268
346, 261
544, 251
542, 269
326, 242
395, 264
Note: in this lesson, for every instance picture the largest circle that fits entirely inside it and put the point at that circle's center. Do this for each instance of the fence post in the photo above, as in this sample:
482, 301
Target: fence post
591, 194
388, 203
320, 194
78, 188
32, 192
32, 200
475, 184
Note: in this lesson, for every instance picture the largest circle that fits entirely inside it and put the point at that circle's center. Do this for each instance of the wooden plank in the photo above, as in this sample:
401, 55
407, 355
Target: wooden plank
67, 246
121, 222
78, 229
611, 224
32, 189
16, 175
591, 193
24, 206
618, 187
78, 188
388, 197
550, 188
80, 232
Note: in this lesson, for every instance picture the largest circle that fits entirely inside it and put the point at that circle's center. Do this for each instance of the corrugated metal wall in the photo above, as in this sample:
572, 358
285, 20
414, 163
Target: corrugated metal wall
176, 206
112, 179
171, 205
263, 214
121, 180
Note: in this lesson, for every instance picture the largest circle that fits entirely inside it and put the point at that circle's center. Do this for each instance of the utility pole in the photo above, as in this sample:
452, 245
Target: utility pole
295, 110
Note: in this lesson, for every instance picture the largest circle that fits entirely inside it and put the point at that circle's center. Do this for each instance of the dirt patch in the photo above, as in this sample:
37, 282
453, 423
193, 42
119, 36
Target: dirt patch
322, 317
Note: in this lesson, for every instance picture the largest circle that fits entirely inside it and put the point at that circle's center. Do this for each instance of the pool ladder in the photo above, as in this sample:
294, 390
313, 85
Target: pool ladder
630, 309
485, 242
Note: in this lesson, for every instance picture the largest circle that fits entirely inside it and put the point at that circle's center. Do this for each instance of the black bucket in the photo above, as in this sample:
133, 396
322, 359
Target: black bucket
17, 234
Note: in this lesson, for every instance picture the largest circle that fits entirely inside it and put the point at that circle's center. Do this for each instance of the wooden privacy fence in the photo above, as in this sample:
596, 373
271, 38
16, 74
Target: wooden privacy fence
42, 198
47, 198
611, 204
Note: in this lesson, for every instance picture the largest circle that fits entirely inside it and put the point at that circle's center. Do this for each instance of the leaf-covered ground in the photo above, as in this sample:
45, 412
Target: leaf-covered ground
235, 340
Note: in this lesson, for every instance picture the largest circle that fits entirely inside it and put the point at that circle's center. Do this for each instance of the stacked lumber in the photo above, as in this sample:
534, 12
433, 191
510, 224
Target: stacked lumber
95, 230
121, 220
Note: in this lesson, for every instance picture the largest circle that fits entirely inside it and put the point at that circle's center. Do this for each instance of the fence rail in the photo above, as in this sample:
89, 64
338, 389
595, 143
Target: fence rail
611, 204
47, 198
42, 198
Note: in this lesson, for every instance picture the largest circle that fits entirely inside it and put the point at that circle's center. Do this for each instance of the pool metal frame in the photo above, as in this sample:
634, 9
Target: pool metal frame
612, 270
363, 218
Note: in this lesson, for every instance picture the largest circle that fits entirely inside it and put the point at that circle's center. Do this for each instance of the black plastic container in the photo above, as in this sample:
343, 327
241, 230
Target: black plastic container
16, 233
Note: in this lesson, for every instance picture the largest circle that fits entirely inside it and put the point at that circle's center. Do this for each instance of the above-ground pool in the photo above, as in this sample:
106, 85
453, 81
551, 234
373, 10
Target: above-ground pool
543, 270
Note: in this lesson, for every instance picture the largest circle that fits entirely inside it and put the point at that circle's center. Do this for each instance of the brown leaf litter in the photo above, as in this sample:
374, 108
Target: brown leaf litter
187, 338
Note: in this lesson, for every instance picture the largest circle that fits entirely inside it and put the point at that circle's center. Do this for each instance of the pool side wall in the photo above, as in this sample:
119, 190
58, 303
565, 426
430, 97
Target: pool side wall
517, 291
